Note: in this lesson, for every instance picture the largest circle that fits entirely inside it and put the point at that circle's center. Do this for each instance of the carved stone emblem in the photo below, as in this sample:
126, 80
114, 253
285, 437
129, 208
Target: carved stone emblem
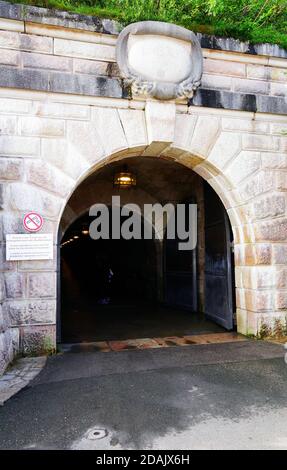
159, 60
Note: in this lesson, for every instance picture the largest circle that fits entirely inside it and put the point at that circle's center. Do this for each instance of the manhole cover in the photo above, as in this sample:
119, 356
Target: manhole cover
97, 434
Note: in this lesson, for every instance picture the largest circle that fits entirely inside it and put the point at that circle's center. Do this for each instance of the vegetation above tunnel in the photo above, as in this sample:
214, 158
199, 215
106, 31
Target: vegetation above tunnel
257, 21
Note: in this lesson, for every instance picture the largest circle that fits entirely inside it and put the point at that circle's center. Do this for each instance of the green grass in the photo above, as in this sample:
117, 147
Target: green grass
256, 21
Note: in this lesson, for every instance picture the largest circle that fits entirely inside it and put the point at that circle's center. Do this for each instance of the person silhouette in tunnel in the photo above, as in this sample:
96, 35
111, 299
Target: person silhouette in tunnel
105, 276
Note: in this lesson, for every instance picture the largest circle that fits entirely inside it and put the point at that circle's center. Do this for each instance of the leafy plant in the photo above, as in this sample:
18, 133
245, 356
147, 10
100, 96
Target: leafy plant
265, 331
279, 328
254, 20
48, 345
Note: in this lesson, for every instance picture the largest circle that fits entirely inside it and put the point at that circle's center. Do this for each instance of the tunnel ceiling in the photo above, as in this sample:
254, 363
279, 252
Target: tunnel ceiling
158, 180
162, 179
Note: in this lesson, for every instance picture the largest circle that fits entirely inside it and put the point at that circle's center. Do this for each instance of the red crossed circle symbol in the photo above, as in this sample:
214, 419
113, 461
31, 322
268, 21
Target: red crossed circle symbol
33, 222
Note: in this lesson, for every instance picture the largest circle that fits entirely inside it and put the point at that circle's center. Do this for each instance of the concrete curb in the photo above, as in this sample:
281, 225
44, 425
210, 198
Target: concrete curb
19, 375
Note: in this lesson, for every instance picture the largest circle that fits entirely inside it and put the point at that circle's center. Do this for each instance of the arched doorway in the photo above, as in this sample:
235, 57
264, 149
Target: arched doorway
166, 132
122, 289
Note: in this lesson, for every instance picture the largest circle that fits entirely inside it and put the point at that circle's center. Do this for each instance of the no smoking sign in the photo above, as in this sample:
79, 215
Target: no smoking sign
33, 222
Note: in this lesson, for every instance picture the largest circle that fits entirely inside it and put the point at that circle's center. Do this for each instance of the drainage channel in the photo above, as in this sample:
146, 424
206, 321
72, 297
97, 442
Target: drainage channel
150, 343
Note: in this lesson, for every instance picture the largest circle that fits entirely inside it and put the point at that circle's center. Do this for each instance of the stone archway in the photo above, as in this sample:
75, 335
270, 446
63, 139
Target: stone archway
218, 149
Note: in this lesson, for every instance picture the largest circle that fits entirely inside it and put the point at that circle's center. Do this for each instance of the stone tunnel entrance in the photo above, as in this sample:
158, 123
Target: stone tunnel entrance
118, 289
63, 122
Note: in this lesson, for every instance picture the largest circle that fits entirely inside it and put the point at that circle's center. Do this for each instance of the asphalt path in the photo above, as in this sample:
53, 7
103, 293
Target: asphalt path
217, 396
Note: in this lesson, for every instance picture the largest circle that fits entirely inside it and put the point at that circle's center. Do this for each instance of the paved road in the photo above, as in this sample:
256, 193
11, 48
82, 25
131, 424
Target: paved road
195, 397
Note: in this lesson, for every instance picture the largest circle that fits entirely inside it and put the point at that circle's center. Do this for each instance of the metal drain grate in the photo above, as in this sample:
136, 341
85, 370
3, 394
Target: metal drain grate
97, 434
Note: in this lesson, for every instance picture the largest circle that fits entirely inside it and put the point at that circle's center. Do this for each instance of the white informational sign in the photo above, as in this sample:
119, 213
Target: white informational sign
29, 246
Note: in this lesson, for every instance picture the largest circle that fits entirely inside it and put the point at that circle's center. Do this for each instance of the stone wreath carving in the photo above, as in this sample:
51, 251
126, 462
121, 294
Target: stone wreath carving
140, 83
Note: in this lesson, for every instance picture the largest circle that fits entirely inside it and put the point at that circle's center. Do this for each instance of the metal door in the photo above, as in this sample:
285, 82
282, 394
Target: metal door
218, 262
180, 273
